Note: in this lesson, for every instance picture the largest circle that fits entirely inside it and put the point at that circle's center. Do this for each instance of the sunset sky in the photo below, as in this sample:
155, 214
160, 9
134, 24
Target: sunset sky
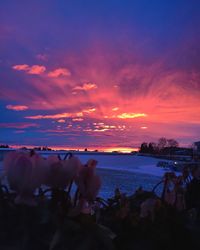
99, 74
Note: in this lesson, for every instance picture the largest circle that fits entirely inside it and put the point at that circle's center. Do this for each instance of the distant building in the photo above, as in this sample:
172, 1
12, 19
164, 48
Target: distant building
197, 147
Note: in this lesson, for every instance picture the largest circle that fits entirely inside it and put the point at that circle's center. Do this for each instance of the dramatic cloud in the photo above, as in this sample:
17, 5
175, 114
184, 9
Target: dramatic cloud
59, 72
17, 107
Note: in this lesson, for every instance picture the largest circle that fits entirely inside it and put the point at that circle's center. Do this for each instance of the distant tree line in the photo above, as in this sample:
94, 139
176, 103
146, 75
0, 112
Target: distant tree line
45, 148
4, 146
42, 149
163, 146
37, 148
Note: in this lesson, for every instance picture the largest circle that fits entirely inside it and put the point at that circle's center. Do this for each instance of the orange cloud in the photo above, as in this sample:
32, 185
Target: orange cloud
89, 110
59, 72
33, 70
17, 107
56, 116
86, 86
128, 115
36, 69
131, 115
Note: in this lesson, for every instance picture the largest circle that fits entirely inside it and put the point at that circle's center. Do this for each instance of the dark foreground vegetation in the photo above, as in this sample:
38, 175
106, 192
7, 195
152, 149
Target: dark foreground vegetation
141, 221
55, 218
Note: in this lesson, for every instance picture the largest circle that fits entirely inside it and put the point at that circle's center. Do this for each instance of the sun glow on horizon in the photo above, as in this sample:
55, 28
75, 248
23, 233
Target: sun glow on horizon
81, 149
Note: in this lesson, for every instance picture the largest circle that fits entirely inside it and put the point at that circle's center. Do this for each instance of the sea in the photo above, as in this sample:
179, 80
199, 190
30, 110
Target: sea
127, 172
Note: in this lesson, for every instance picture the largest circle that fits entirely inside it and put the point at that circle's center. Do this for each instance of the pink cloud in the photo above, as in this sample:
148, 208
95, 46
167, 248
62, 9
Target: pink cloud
17, 107
59, 72
36, 69
33, 70
21, 67
20, 125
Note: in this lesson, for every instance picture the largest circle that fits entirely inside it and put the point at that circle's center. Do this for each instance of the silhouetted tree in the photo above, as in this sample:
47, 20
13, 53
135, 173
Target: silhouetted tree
24, 148
172, 143
162, 143
4, 146
144, 148
37, 148
164, 146
152, 148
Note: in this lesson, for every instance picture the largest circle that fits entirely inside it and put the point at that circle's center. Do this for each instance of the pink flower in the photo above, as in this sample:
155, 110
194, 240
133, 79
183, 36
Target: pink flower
20, 174
40, 169
72, 167
18, 169
61, 172
148, 208
170, 196
170, 180
180, 202
88, 182
84, 207
55, 177
52, 159
9, 160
